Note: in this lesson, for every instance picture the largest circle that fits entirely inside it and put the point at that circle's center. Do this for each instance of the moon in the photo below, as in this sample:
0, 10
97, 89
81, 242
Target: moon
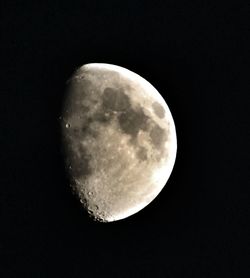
119, 140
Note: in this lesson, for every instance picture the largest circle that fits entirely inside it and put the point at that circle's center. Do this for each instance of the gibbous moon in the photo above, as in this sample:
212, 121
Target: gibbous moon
119, 140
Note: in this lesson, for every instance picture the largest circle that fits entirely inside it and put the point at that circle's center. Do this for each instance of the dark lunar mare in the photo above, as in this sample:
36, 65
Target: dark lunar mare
132, 120
115, 99
158, 109
158, 136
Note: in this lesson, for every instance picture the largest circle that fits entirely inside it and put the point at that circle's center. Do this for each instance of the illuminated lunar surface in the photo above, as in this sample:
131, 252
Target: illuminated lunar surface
119, 140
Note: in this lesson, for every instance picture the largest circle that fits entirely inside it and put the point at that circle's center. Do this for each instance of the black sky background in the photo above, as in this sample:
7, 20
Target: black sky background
196, 53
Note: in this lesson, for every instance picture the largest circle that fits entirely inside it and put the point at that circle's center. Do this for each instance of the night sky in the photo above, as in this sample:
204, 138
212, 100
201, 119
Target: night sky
196, 54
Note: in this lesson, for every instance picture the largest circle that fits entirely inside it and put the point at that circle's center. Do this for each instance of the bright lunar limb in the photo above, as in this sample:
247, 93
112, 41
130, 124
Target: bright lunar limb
119, 140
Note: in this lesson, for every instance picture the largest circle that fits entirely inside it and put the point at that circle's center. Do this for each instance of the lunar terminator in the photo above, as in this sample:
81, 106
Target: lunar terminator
119, 140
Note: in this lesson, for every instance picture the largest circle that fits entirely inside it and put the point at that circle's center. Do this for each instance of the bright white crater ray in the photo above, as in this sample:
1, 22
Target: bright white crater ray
119, 140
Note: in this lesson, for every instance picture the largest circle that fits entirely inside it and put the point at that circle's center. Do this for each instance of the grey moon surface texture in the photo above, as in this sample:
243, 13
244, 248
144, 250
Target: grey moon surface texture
119, 140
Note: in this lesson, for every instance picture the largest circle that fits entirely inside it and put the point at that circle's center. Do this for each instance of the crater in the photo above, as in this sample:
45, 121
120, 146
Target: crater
158, 109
